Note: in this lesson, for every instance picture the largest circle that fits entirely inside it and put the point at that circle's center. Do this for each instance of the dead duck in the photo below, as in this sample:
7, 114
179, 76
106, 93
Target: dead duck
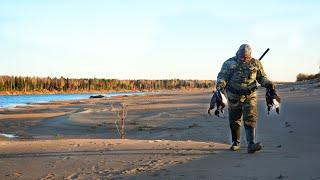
272, 100
219, 101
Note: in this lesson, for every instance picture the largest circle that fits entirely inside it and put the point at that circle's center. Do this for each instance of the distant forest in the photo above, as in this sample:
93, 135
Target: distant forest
48, 84
305, 77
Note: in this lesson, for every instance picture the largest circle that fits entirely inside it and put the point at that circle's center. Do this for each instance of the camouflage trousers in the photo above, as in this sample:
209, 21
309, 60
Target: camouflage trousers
242, 107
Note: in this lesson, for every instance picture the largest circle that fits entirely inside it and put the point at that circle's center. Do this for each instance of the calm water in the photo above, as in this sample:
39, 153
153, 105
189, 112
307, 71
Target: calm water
14, 100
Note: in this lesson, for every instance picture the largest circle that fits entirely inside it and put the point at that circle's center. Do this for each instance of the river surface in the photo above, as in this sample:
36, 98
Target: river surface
15, 100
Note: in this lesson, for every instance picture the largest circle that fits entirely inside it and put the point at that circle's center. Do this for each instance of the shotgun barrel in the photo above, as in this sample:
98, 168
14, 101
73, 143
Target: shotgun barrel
264, 54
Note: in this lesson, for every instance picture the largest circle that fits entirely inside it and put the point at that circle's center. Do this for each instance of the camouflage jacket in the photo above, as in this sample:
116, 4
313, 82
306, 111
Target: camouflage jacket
242, 75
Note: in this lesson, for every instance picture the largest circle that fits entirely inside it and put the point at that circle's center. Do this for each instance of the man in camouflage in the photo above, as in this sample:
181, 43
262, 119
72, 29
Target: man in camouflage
239, 76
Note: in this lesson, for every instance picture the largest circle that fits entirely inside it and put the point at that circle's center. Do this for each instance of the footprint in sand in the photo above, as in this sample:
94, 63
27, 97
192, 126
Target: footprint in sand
287, 124
94, 168
48, 176
281, 177
73, 176
151, 165
66, 158
17, 174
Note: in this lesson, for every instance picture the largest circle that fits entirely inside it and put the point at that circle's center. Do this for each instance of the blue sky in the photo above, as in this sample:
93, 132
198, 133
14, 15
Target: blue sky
136, 39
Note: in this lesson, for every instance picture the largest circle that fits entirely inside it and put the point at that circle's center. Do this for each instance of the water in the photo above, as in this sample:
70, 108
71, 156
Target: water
11, 136
15, 100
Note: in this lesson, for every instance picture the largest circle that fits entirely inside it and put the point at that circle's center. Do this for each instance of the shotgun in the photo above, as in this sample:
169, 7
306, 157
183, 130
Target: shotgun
264, 54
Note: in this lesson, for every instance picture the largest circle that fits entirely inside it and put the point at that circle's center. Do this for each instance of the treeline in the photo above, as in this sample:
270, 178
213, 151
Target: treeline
48, 84
303, 77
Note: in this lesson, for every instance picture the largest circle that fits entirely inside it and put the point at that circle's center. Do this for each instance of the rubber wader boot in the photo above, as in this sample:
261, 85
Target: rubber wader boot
235, 133
252, 147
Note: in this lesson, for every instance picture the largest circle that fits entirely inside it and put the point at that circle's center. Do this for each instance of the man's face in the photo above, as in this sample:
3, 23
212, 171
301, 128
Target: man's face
245, 58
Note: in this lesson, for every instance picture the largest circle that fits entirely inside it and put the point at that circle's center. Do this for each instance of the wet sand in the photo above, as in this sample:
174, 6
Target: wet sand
169, 136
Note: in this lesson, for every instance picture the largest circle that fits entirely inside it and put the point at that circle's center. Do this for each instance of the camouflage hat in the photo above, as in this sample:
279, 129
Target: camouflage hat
244, 52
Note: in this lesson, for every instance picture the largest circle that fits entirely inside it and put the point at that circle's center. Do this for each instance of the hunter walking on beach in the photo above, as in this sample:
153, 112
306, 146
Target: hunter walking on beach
238, 77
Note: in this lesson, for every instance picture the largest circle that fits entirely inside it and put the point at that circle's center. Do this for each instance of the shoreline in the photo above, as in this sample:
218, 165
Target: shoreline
80, 111
105, 94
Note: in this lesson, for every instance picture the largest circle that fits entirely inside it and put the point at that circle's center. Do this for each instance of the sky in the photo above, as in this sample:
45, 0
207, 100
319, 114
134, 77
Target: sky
156, 39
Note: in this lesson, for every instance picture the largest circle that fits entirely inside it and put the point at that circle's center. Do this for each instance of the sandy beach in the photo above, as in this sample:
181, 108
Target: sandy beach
168, 136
